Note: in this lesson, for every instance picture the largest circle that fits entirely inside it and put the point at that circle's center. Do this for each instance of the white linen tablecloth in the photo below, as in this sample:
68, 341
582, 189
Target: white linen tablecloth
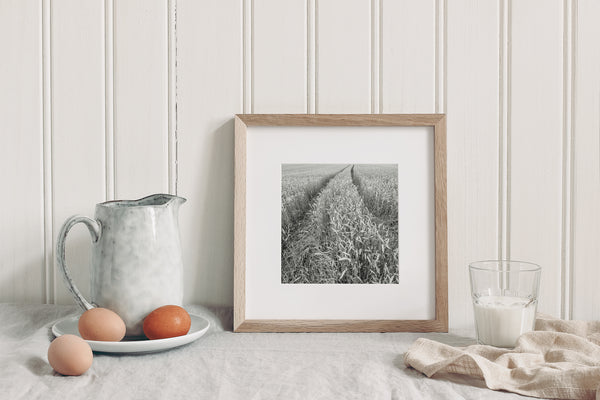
226, 365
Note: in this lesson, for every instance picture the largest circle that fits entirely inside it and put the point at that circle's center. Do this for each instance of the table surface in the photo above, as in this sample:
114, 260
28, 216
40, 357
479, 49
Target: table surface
227, 365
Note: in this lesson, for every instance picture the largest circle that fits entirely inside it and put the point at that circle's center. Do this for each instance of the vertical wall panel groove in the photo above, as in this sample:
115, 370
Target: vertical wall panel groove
172, 93
247, 54
22, 209
473, 145
211, 39
252, 83
141, 96
412, 56
344, 56
315, 51
503, 128
441, 46
585, 127
47, 153
440, 54
536, 141
78, 126
507, 174
444, 105
566, 239
310, 56
375, 56
571, 127
437, 57
279, 57
109, 86
380, 83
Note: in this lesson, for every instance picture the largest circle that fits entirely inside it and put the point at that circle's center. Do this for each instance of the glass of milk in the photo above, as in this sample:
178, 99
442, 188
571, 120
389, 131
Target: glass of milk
505, 296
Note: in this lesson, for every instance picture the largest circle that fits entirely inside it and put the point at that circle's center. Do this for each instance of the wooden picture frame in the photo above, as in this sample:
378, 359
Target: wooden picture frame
246, 143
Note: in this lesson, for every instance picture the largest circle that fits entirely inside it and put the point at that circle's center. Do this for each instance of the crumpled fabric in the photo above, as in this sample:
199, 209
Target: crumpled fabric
559, 359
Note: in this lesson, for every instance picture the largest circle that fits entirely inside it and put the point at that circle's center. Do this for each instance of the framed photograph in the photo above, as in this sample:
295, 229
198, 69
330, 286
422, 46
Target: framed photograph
340, 223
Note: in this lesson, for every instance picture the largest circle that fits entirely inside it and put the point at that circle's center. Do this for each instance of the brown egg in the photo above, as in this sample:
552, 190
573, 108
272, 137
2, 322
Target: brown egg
167, 321
101, 324
70, 355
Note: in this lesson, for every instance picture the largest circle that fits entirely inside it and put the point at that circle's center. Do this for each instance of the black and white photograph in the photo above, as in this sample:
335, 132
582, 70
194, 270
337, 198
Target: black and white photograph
339, 224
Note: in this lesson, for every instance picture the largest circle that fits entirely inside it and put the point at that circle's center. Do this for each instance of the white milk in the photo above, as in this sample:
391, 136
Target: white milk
500, 320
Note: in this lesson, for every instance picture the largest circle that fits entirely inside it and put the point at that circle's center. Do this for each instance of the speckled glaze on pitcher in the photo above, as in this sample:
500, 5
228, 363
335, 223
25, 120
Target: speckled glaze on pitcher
136, 257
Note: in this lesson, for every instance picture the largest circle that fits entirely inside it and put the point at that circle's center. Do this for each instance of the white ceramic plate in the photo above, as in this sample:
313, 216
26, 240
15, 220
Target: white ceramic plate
199, 327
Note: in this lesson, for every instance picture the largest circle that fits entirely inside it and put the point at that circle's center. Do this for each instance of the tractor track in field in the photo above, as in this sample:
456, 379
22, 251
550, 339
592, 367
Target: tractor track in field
391, 223
302, 223
298, 221
303, 247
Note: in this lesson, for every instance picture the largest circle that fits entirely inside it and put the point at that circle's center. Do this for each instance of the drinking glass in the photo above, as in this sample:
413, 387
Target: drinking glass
505, 297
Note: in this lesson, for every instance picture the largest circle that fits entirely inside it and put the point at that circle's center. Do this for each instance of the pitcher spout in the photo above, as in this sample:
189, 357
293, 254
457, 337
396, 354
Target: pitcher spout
177, 200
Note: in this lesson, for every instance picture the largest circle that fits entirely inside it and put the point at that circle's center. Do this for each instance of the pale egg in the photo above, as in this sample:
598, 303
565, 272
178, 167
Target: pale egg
70, 355
101, 324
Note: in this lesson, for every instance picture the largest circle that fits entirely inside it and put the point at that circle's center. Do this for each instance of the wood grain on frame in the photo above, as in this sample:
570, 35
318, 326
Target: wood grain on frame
239, 230
440, 323
342, 119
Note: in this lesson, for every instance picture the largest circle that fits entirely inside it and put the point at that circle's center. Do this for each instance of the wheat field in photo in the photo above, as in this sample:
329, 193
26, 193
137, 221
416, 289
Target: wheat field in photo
339, 223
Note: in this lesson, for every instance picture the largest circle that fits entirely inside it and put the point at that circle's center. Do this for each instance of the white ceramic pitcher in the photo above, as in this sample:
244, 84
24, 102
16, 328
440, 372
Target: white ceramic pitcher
136, 257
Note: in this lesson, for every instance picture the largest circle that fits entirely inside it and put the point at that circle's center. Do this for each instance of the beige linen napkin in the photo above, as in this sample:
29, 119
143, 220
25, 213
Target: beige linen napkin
560, 359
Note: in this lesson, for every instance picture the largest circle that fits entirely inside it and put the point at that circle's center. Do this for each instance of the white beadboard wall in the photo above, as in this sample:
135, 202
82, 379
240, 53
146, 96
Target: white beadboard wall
108, 99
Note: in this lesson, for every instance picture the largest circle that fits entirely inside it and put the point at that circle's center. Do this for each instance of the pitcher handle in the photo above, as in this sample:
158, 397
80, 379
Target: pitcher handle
95, 230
